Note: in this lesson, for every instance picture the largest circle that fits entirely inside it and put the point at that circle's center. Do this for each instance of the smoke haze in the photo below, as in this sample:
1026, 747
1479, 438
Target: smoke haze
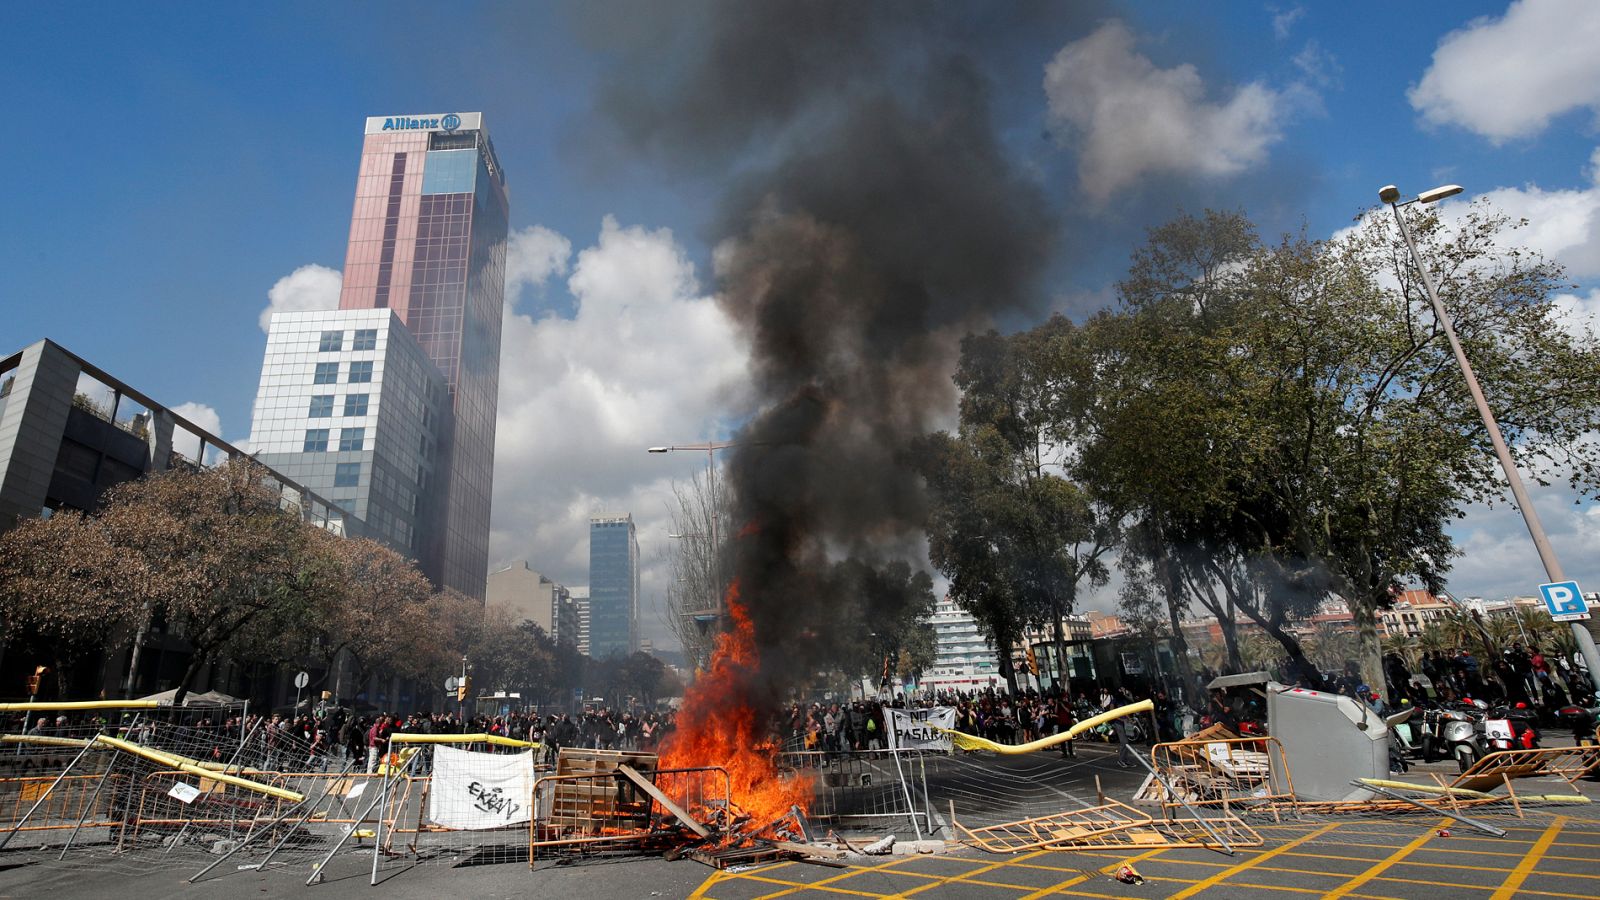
875, 219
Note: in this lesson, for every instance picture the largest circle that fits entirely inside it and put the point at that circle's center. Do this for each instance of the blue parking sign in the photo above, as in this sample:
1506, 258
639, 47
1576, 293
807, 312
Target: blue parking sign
1564, 601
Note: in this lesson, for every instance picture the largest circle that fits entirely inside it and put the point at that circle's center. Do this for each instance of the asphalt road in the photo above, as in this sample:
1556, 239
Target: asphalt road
1550, 852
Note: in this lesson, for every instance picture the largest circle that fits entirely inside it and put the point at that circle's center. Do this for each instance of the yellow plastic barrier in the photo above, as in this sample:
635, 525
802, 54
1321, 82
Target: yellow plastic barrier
973, 742
401, 737
42, 740
78, 705
182, 764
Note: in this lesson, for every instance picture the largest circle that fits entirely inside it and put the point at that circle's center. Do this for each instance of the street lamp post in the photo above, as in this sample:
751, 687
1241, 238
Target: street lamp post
710, 447
1391, 195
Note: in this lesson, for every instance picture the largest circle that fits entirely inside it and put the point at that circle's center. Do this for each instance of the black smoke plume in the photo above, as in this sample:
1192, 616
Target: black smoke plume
875, 218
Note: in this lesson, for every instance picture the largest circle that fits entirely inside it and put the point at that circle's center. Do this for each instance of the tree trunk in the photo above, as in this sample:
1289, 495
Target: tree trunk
1061, 641
196, 662
1369, 650
132, 684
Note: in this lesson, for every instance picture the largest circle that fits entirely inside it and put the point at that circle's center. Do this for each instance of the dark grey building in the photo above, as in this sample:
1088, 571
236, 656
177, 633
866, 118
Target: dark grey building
613, 586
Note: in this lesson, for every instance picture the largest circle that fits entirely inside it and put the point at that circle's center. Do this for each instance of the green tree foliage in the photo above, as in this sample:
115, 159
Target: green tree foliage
1289, 419
1015, 536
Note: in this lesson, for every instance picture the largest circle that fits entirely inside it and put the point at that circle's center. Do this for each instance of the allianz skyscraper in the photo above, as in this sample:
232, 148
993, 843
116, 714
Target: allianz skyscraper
428, 243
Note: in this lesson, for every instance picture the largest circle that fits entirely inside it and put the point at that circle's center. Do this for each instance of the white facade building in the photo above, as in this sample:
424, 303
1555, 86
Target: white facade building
350, 406
963, 658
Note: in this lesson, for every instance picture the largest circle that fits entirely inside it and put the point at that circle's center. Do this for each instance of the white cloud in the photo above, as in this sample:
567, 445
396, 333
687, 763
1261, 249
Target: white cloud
308, 287
646, 360
1578, 316
1283, 21
1129, 118
1497, 555
202, 416
1508, 77
1319, 65
1564, 225
532, 256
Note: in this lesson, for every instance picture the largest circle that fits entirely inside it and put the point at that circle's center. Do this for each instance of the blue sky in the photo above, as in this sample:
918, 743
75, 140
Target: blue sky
169, 164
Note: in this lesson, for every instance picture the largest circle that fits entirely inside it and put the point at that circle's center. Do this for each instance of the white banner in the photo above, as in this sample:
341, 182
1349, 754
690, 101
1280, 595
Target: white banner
909, 729
473, 791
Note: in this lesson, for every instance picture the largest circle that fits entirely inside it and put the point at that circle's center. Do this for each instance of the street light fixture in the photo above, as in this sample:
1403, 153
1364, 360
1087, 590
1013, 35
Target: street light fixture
1391, 195
710, 448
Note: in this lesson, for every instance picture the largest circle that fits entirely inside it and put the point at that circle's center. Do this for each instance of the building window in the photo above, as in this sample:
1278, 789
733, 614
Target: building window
347, 475
327, 373
321, 407
332, 342
316, 440
355, 404
366, 339
360, 372
352, 438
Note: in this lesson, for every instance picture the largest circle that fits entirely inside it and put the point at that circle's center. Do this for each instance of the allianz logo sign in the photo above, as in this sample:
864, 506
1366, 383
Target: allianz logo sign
447, 123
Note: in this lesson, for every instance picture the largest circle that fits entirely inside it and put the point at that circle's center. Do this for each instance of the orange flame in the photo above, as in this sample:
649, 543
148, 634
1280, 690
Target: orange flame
717, 727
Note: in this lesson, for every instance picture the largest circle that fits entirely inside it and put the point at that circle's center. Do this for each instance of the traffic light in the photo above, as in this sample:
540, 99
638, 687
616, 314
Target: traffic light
33, 680
1033, 662
463, 689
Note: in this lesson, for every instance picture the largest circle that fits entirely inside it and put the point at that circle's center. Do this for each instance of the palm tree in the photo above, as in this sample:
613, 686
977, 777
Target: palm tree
1435, 637
1404, 646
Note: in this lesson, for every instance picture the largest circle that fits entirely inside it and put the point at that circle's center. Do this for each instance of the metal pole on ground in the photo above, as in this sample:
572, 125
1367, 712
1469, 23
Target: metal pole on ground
311, 808
1173, 793
911, 806
1484, 827
106, 776
46, 795
377, 840
203, 797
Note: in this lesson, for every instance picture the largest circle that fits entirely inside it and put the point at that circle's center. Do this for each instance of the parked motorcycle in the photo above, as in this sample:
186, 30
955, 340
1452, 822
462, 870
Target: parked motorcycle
1512, 727
1451, 732
1581, 719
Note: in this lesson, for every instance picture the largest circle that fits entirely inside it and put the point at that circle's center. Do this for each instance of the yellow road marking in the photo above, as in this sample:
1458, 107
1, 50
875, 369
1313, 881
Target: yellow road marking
1081, 877
962, 876
1219, 877
1385, 863
1508, 888
720, 876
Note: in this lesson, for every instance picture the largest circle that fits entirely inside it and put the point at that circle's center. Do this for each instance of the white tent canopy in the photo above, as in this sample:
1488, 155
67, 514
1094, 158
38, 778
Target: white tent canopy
209, 698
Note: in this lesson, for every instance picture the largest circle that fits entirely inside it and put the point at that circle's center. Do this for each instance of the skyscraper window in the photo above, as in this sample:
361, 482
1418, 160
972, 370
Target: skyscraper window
352, 438
347, 475
332, 342
327, 373
321, 407
366, 339
316, 440
355, 404
361, 372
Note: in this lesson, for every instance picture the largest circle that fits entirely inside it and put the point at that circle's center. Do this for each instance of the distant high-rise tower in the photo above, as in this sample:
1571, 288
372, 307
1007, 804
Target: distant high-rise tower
428, 240
613, 586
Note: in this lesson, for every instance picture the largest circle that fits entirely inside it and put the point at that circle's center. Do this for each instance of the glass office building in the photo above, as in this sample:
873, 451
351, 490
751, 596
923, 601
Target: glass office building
350, 406
428, 241
613, 586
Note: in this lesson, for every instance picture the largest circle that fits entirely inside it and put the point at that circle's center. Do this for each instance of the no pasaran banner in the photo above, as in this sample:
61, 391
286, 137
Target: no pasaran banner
913, 729
474, 791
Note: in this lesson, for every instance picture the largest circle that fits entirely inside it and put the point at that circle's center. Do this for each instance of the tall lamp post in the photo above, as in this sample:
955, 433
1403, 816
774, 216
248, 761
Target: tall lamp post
710, 448
1391, 195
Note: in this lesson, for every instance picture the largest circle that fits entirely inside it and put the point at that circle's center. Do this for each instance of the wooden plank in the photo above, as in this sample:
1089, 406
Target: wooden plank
665, 801
809, 849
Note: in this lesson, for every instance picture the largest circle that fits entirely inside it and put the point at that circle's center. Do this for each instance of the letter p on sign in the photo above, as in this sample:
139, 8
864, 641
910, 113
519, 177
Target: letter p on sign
1564, 601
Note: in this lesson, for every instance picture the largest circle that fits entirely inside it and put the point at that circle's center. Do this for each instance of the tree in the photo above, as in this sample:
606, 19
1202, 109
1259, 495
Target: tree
1043, 534
368, 614
1293, 413
217, 557
700, 561
64, 588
